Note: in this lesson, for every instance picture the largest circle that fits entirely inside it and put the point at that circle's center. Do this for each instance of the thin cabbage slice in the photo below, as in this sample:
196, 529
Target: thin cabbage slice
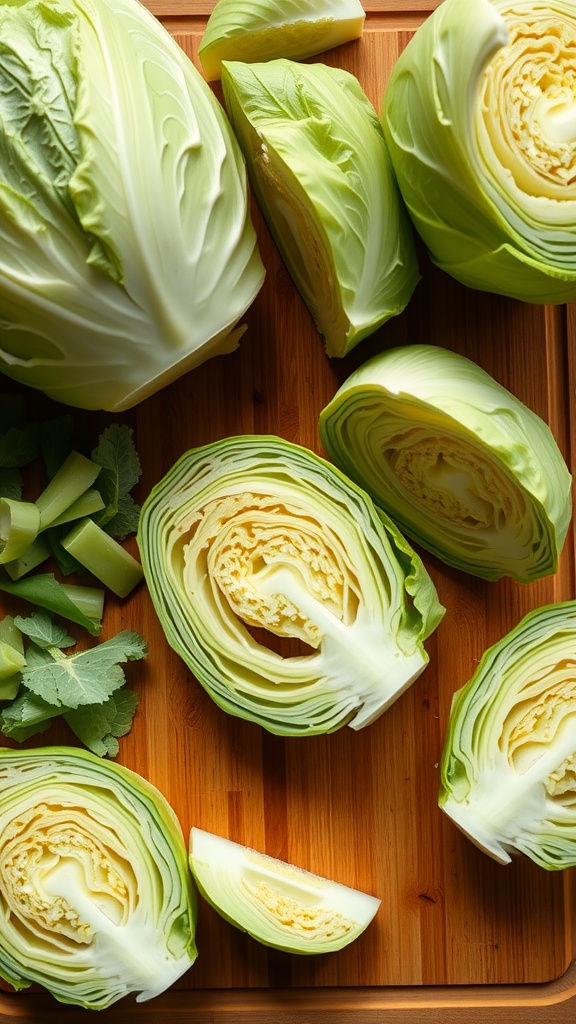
479, 118
251, 538
508, 772
465, 469
275, 902
259, 30
127, 253
96, 898
322, 175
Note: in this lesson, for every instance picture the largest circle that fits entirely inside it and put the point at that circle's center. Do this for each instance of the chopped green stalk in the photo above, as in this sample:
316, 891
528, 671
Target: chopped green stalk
88, 600
19, 525
76, 475
36, 553
10, 634
11, 660
104, 557
86, 505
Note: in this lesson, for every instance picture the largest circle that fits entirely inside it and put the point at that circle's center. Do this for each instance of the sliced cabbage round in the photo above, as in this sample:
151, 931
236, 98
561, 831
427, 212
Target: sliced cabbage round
96, 897
277, 903
466, 469
127, 253
260, 30
254, 537
479, 118
508, 772
322, 175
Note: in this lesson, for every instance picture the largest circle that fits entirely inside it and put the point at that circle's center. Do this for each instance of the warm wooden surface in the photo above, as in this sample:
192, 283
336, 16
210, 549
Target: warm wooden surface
360, 808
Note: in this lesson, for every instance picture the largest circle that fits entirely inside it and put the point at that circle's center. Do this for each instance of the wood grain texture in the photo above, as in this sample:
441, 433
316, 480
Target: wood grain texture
457, 934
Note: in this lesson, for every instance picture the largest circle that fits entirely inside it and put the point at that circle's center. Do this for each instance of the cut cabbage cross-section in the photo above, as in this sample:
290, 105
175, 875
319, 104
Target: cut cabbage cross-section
257, 537
480, 119
462, 465
96, 898
277, 903
508, 772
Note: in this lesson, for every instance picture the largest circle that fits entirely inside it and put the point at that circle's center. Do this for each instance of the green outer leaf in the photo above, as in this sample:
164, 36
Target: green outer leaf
429, 395
261, 30
99, 726
121, 470
44, 589
155, 944
322, 175
110, 300
502, 803
476, 225
368, 652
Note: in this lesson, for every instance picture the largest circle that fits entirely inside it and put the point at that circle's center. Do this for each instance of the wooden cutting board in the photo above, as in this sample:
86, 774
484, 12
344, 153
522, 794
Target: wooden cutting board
457, 934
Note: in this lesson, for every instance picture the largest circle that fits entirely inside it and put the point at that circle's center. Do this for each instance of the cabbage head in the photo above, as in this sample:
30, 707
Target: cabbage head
479, 116
290, 598
508, 770
96, 898
127, 254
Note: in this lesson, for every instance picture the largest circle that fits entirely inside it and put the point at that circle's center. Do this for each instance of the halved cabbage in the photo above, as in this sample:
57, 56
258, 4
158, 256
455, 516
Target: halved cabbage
466, 469
479, 118
322, 175
96, 897
258, 30
254, 531
508, 772
277, 903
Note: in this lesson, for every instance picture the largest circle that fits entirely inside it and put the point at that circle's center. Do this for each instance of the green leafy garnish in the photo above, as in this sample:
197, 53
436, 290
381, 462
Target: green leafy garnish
120, 472
87, 687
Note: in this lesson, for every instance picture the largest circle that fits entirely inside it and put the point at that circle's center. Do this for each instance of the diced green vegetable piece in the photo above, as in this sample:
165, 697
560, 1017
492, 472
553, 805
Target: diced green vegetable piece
104, 557
86, 505
74, 477
33, 556
19, 526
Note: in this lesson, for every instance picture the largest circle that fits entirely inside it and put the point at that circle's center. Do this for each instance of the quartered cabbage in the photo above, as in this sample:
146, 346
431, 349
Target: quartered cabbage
259, 30
127, 254
321, 172
96, 897
252, 538
479, 119
465, 469
508, 772
277, 903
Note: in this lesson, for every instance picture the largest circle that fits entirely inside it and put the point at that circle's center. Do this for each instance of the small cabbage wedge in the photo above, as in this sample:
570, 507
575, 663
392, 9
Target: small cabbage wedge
96, 897
127, 253
256, 533
277, 903
260, 30
508, 771
322, 175
479, 119
465, 469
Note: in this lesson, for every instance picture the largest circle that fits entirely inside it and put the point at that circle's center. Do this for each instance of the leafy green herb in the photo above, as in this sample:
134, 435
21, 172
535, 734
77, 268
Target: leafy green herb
87, 687
120, 472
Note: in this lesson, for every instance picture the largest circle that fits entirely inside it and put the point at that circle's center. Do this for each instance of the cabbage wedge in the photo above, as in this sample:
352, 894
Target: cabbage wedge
322, 175
508, 771
127, 253
479, 118
96, 897
253, 538
277, 903
465, 469
260, 30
